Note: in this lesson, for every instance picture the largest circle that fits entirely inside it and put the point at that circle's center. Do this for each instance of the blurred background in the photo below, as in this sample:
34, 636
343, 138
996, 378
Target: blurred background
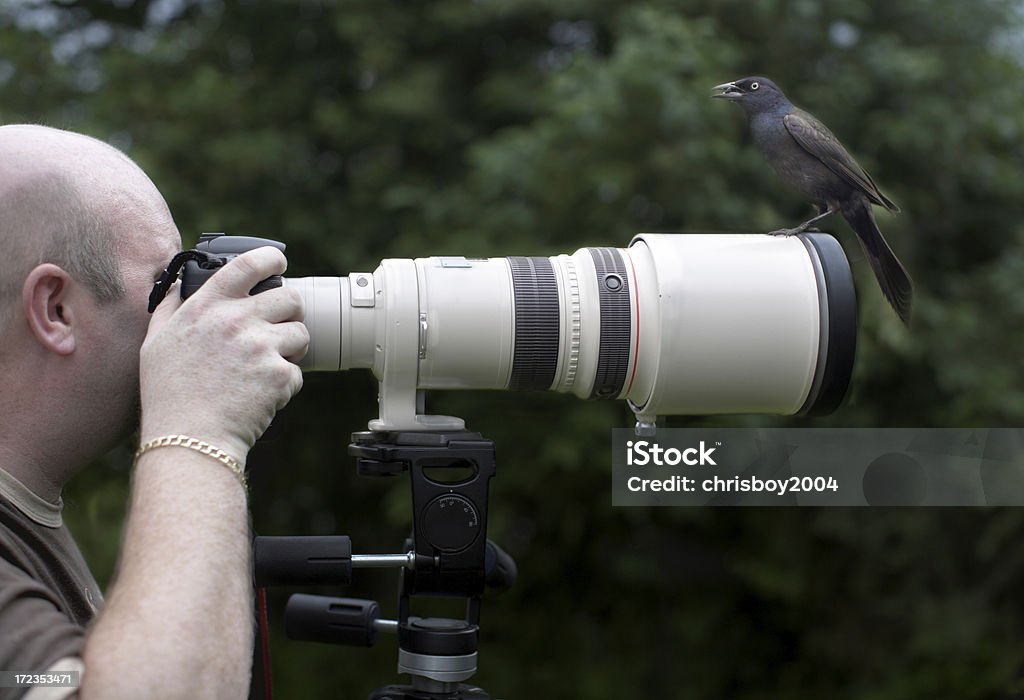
356, 131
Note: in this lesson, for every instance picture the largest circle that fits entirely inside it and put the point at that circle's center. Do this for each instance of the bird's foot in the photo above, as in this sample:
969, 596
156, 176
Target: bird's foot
805, 226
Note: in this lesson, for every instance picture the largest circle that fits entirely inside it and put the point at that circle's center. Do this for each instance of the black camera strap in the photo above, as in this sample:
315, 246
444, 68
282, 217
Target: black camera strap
170, 274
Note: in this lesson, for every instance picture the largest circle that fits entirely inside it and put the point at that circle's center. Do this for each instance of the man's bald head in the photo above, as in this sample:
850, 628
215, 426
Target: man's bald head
70, 200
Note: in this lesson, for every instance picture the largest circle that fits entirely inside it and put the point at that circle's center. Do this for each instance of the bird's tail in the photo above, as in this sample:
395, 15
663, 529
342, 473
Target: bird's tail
892, 276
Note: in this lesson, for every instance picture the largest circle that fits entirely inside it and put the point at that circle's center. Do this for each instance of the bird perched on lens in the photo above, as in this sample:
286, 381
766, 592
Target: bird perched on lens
812, 160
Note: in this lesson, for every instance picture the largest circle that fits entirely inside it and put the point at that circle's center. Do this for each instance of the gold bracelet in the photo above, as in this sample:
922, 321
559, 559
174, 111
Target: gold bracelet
199, 446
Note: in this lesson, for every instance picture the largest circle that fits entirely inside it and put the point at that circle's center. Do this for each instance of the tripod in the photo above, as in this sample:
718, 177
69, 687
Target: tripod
448, 555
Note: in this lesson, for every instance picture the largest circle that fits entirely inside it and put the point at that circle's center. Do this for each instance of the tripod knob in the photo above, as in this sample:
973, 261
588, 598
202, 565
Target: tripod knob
297, 561
450, 522
314, 618
499, 567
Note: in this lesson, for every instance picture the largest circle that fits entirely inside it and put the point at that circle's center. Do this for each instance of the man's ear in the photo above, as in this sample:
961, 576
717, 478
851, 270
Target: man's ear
44, 299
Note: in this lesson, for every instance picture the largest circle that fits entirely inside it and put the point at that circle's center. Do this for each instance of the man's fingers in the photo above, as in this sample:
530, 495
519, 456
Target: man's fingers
246, 271
167, 307
293, 340
278, 305
294, 385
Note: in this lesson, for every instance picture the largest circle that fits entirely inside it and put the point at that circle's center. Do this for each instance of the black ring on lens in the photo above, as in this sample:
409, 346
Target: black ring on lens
613, 295
535, 295
837, 300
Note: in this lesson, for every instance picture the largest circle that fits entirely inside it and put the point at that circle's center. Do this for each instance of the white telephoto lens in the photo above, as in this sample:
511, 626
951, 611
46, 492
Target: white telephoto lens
676, 324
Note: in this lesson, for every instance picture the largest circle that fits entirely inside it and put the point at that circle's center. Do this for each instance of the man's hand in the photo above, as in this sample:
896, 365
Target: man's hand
219, 366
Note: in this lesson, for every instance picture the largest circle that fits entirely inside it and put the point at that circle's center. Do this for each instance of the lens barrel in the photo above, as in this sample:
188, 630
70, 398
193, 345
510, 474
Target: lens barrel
675, 324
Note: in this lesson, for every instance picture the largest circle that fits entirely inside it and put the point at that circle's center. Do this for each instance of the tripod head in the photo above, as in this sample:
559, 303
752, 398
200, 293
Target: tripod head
447, 555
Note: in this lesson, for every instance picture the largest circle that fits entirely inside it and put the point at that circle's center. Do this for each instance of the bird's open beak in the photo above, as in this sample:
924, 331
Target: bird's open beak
727, 91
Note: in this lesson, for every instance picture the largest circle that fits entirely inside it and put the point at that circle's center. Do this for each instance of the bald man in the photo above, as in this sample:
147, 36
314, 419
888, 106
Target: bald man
84, 235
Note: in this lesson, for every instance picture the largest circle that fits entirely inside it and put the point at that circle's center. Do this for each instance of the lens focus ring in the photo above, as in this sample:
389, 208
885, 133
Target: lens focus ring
535, 292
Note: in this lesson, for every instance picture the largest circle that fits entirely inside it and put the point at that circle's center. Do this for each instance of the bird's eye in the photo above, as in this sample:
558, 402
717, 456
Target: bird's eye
754, 86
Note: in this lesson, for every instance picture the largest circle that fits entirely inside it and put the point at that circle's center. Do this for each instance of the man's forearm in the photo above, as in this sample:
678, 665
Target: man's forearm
178, 618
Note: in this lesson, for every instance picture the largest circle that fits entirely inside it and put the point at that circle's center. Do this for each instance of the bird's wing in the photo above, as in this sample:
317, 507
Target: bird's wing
815, 138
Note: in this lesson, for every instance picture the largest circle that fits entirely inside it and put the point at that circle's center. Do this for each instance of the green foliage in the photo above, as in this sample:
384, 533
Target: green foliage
360, 130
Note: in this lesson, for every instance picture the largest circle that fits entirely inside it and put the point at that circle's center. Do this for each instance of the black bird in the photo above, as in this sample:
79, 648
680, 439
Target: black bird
810, 158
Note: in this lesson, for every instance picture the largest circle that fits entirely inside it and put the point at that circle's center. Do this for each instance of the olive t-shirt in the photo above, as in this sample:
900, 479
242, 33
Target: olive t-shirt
47, 593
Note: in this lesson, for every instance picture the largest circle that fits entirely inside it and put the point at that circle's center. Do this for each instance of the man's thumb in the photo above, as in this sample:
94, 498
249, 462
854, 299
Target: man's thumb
167, 307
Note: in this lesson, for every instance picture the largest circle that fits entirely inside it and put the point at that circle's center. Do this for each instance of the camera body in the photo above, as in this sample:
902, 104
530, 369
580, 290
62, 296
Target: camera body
221, 249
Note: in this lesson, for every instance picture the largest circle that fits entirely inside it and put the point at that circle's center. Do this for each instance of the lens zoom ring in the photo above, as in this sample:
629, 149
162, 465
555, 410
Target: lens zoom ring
535, 291
613, 294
